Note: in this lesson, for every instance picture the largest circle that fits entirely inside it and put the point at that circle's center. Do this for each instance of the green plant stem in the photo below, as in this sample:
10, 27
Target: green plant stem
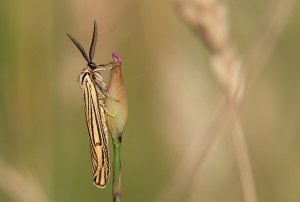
116, 187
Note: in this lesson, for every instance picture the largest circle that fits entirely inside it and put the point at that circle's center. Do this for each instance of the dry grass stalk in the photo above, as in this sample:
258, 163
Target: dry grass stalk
240, 147
263, 45
209, 19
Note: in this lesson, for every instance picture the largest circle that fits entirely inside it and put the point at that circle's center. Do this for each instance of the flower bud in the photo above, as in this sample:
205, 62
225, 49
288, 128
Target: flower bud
116, 104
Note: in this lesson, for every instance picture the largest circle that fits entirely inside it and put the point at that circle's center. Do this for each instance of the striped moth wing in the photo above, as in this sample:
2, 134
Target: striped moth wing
97, 128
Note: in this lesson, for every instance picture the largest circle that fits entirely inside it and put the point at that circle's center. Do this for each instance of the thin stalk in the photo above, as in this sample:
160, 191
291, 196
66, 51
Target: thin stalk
119, 108
116, 186
244, 163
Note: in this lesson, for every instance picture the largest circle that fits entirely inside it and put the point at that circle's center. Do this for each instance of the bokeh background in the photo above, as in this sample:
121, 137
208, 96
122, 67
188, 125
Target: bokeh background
172, 95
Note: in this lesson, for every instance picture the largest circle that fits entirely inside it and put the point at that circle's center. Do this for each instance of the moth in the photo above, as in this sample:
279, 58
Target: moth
94, 92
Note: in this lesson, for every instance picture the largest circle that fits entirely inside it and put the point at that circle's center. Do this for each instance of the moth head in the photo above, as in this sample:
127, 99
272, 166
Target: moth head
92, 65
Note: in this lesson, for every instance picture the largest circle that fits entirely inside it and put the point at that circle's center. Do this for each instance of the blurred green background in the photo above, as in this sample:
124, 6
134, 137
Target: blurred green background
171, 93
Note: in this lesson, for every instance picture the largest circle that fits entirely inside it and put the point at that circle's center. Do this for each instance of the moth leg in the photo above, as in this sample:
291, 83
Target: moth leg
104, 67
101, 97
102, 86
106, 111
111, 97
